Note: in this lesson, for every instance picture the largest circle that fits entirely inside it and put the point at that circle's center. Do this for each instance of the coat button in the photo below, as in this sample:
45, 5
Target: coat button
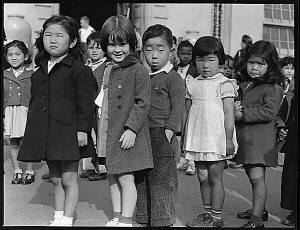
44, 96
119, 106
119, 96
44, 108
119, 86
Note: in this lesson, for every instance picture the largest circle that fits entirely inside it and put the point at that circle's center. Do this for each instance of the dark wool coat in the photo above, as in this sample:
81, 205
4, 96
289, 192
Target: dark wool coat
128, 105
62, 103
16, 90
257, 133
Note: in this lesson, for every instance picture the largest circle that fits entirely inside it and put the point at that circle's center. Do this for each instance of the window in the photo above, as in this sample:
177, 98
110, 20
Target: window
279, 12
281, 36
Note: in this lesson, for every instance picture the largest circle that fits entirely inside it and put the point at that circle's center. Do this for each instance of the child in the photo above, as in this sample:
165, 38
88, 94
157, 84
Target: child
262, 94
287, 135
210, 138
16, 96
124, 101
157, 190
61, 112
185, 68
227, 68
96, 62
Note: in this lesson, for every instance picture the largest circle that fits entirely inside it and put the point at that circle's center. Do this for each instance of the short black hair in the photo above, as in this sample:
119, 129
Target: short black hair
184, 43
174, 40
94, 37
286, 61
247, 40
209, 45
158, 30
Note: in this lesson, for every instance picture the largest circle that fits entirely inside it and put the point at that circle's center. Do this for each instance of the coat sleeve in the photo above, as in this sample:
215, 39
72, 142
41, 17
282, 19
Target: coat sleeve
281, 115
85, 87
177, 97
265, 112
142, 99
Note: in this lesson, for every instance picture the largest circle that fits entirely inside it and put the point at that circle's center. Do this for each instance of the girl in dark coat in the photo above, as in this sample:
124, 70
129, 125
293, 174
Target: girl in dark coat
61, 112
262, 93
124, 101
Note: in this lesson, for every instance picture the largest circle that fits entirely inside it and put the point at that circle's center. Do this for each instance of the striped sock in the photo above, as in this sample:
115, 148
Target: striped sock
126, 220
216, 213
117, 214
207, 208
58, 214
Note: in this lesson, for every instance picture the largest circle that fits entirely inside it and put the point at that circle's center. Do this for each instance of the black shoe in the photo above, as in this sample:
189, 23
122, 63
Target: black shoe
87, 173
247, 214
17, 178
96, 176
287, 222
28, 178
250, 224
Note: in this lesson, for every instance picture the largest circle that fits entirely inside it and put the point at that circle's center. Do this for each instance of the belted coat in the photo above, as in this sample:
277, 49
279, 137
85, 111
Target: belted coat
61, 104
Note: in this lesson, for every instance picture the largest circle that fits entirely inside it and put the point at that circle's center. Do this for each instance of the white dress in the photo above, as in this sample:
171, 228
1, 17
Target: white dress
205, 133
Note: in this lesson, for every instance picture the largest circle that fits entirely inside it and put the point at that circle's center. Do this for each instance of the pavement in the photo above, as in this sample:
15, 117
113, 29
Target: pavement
32, 205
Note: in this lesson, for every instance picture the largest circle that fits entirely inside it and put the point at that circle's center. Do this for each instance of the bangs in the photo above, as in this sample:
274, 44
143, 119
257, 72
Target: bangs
118, 36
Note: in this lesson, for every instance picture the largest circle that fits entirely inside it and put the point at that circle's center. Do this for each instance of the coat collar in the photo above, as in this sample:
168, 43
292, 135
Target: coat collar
68, 60
11, 76
128, 61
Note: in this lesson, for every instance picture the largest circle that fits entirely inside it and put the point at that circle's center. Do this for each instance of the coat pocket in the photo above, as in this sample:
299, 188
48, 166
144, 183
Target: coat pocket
65, 112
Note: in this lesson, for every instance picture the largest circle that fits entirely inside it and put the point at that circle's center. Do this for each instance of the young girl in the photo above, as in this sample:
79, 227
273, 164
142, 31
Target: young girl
210, 135
124, 101
61, 112
262, 94
16, 86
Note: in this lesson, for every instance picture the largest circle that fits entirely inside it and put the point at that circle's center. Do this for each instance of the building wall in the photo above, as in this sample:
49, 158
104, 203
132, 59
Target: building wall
34, 14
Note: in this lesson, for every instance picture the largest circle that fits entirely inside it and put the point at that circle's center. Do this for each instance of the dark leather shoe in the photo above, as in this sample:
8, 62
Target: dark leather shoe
95, 177
28, 178
17, 178
287, 222
250, 224
247, 215
87, 173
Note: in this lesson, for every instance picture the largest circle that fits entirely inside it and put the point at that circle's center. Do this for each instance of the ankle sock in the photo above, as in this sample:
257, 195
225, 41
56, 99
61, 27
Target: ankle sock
216, 213
58, 214
126, 220
257, 220
31, 172
102, 169
67, 220
117, 214
207, 208
18, 171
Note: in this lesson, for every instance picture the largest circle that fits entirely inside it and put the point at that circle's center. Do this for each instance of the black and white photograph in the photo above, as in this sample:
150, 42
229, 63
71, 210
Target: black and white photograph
153, 114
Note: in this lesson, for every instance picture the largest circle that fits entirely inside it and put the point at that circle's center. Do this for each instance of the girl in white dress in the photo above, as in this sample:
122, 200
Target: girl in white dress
210, 133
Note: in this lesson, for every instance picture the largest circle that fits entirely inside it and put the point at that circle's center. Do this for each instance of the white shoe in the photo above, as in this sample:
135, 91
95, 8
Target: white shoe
55, 222
113, 222
190, 169
123, 224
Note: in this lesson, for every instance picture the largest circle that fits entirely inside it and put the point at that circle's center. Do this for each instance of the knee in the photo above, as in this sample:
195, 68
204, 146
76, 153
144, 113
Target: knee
256, 179
56, 181
203, 178
68, 181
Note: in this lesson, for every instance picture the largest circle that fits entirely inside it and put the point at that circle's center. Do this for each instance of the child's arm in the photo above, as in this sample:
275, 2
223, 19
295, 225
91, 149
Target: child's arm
139, 112
176, 95
85, 87
228, 105
265, 112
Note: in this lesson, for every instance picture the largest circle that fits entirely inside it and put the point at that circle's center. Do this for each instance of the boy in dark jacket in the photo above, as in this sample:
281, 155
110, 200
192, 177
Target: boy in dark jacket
157, 190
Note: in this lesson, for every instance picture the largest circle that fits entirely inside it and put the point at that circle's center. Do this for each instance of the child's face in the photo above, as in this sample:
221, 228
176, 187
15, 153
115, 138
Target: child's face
288, 71
157, 53
256, 67
84, 23
15, 57
208, 65
94, 51
185, 55
228, 68
57, 41
118, 52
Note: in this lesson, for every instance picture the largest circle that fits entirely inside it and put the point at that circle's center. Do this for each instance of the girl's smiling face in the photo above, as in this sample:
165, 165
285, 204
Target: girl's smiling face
15, 57
288, 71
117, 52
57, 41
208, 65
256, 67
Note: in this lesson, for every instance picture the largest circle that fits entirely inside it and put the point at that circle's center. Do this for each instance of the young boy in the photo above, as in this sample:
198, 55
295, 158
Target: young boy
97, 62
157, 189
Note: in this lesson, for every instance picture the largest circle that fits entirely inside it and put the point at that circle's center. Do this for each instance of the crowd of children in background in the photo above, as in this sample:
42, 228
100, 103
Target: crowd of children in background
92, 104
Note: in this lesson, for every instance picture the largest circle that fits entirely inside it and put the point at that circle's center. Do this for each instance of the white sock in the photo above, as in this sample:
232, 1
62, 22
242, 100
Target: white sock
58, 214
67, 220
18, 171
31, 172
102, 169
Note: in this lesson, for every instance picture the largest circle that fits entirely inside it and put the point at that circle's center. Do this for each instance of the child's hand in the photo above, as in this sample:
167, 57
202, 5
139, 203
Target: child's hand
82, 138
282, 134
127, 139
238, 115
169, 134
229, 147
238, 106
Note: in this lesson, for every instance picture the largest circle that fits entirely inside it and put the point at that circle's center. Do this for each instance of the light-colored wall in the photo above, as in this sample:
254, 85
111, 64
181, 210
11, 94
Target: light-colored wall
246, 19
34, 14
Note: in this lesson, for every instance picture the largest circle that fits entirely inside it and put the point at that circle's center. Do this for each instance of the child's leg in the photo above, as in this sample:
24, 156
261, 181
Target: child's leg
202, 172
14, 149
129, 194
256, 174
115, 192
69, 170
55, 177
